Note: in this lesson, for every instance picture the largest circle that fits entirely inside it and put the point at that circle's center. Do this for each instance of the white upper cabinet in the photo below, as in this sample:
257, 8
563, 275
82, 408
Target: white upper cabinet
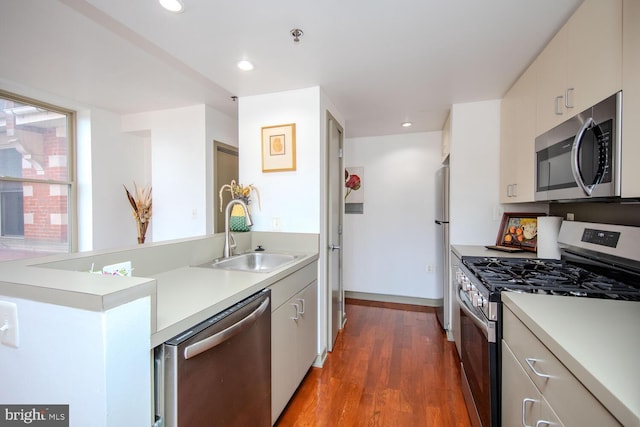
631, 99
551, 83
582, 64
517, 135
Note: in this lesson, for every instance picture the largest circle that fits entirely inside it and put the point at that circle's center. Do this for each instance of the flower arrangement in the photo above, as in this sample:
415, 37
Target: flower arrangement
142, 208
351, 182
239, 191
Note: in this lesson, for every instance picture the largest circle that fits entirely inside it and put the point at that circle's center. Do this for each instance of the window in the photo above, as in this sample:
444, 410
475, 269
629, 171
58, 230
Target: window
36, 179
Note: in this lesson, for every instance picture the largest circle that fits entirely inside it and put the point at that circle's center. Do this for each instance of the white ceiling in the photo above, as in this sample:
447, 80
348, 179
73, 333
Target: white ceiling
381, 62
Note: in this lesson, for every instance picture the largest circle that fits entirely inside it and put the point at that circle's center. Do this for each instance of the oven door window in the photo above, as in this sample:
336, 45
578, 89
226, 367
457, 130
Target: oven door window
475, 348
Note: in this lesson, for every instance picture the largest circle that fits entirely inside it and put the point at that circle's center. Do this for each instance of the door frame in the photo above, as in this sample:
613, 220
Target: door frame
343, 317
229, 149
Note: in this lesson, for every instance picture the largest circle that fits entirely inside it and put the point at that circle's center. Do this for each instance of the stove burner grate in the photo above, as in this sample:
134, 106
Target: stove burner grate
547, 277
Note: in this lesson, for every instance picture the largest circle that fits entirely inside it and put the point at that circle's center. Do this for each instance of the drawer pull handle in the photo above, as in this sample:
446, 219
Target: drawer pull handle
297, 317
531, 362
524, 410
558, 109
541, 423
568, 103
301, 305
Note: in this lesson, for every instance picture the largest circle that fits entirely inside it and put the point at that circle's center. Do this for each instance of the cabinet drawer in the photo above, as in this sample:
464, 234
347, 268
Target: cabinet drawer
522, 403
287, 287
573, 403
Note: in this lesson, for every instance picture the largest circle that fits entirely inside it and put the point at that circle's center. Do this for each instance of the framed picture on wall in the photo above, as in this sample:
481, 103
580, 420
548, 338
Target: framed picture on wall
279, 148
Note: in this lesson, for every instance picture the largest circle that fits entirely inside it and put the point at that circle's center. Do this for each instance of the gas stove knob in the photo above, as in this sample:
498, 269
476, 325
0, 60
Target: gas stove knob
475, 299
473, 288
483, 302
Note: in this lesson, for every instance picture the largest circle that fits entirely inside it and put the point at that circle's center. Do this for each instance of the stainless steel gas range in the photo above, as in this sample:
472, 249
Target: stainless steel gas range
598, 261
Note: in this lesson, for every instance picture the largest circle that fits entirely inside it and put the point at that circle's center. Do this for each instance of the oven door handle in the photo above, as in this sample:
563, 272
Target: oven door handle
488, 328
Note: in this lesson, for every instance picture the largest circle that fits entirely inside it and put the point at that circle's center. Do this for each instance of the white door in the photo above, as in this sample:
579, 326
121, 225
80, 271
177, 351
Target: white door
335, 186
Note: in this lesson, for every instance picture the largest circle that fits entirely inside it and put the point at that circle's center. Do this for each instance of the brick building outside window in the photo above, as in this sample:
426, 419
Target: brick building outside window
36, 141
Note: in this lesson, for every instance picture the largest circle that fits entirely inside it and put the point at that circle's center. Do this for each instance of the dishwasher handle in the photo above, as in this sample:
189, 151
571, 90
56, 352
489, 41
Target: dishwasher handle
196, 348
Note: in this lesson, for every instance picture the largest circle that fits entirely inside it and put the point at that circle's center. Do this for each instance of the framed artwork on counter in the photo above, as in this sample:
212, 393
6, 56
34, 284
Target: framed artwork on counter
519, 230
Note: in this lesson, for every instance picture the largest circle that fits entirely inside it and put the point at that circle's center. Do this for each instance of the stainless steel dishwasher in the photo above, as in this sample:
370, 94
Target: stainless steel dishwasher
218, 373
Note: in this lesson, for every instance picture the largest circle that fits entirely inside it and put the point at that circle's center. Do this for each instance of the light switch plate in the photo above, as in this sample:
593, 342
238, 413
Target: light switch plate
9, 324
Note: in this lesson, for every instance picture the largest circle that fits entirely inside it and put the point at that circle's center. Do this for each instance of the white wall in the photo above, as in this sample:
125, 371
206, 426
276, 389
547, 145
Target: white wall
181, 158
387, 248
474, 179
116, 159
63, 358
291, 197
475, 210
221, 128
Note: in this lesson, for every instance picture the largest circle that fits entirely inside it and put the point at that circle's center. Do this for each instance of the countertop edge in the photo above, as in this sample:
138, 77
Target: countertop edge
479, 250
90, 301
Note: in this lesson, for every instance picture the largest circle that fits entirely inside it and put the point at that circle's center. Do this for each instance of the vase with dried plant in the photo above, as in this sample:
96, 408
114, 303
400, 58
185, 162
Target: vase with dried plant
242, 192
142, 208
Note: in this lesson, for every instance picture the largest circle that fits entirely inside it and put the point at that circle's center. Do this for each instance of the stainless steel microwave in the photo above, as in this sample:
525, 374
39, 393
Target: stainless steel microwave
580, 158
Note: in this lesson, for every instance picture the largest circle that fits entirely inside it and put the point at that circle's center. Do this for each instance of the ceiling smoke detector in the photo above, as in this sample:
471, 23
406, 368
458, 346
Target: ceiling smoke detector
296, 33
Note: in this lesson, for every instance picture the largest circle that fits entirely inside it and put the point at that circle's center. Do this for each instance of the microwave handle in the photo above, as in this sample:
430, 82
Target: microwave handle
575, 164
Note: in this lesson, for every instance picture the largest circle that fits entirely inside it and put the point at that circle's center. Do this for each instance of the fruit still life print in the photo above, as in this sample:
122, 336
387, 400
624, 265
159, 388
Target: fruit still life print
519, 231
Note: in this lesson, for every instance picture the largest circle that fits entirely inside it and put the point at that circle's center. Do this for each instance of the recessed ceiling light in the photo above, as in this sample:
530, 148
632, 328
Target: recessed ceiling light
406, 124
245, 65
175, 6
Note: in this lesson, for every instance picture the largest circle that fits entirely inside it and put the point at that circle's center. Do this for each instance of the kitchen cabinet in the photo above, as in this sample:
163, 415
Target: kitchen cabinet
517, 140
630, 99
522, 403
548, 390
294, 325
581, 65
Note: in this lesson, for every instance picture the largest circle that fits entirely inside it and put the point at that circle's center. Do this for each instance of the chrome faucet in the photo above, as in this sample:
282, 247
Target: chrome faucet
228, 249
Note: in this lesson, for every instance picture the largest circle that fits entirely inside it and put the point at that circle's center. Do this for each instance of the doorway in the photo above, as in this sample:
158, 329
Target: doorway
335, 209
225, 167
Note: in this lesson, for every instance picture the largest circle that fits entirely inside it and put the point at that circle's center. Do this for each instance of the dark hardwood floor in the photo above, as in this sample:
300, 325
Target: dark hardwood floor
391, 366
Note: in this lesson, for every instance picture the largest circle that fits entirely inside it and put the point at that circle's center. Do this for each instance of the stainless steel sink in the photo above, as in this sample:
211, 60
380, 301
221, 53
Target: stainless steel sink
256, 262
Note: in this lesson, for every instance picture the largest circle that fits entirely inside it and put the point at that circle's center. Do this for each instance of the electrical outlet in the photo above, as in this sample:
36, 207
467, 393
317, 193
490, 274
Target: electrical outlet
9, 324
429, 268
275, 223
570, 217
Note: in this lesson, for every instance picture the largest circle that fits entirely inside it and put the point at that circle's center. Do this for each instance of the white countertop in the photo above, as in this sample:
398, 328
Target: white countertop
597, 340
190, 295
77, 289
476, 250
181, 296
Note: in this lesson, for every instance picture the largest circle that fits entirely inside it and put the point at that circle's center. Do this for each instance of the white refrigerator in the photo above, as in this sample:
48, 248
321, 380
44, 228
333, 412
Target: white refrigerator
442, 245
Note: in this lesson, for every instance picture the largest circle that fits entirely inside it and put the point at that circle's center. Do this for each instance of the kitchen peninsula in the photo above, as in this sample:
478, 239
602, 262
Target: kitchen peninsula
85, 339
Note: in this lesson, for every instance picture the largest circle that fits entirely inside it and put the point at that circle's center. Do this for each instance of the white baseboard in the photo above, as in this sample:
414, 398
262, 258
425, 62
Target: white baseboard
425, 302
